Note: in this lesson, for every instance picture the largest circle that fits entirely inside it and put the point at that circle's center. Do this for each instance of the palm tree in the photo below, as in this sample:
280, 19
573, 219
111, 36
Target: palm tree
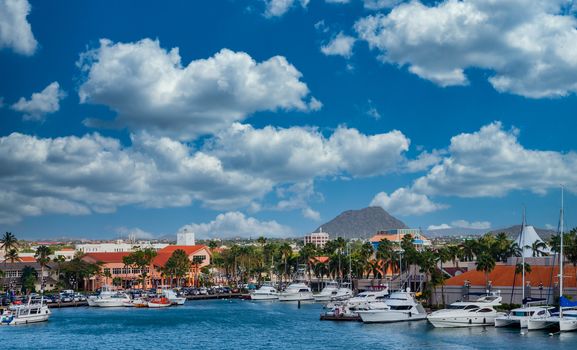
306, 253
42, 257
444, 254
12, 256
538, 248
9, 242
285, 251
486, 263
467, 250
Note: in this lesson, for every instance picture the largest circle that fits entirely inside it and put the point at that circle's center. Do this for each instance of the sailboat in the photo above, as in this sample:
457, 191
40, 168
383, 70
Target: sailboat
566, 320
520, 317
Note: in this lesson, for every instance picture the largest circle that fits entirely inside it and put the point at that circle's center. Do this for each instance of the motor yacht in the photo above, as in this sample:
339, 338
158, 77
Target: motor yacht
399, 307
105, 293
173, 297
296, 292
520, 317
480, 312
331, 288
118, 299
265, 292
363, 299
32, 312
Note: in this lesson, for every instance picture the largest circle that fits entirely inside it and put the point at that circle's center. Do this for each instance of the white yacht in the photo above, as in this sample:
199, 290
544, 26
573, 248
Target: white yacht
116, 300
520, 317
568, 322
105, 293
400, 306
342, 294
26, 313
173, 297
363, 299
328, 291
296, 292
265, 292
468, 313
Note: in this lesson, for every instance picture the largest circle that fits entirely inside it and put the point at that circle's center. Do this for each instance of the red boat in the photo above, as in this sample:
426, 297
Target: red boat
159, 302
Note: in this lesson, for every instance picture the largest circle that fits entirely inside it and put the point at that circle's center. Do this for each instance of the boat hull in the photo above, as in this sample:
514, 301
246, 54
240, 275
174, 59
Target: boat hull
110, 303
387, 316
157, 306
544, 323
462, 321
567, 325
508, 321
263, 296
296, 297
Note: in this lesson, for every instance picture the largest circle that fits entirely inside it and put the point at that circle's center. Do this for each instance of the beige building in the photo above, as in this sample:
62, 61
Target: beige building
319, 239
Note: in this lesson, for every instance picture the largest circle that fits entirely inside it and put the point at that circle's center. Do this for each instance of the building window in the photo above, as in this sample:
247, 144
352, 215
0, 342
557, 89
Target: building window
116, 271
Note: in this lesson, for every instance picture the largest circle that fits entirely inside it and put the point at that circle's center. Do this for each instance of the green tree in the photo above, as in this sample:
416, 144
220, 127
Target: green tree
141, 259
537, 248
486, 263
28, 279
9, 242
42, 257
179, 265
306, 254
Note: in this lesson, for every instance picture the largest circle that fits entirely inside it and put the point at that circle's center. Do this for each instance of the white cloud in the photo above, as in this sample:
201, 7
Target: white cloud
298, 154
151, 90
41, 103
277, 8
337, 1
311, 214
438, 227
424, 161
340, 45
15, 31
236, 224
405, 202
478, 225
138, 233
491, 163
81, 175
531, 47
550, 227
380, 4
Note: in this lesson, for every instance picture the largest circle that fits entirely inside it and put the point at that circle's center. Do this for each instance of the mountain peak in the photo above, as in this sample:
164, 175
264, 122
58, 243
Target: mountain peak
361, 223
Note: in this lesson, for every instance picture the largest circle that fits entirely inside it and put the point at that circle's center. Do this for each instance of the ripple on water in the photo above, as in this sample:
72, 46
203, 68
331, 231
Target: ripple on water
218, 324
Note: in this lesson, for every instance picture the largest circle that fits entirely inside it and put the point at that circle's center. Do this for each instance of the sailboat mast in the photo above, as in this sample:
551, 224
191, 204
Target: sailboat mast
561, 228
523, 252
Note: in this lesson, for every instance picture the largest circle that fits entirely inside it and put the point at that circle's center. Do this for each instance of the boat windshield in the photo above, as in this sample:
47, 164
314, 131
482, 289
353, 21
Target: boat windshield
522, 313
456, 307
400, 307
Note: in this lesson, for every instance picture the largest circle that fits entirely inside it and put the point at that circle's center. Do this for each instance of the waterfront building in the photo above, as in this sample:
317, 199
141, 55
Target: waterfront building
113, 267
527, 238
396, 236
319, 239
12, 275
541, 282
118, 246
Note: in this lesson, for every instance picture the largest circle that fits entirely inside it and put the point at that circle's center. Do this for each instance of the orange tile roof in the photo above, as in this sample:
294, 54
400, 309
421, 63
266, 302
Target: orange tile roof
390, 237
66, 249
189, 249
503, 275
113, 257
27, 259
165, 253
322, 259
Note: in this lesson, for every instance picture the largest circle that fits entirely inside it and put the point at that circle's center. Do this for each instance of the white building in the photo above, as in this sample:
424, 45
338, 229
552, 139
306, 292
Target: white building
118, 246
319, 239
527, 238
185, 237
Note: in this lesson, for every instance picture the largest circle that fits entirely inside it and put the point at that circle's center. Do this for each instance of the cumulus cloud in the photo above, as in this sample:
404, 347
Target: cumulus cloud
15, 31
236, 224
340, 45
41, 103
491, 163
529, 46
151, 90
81, 175
438, 227
298, 154
380, 4
136, 232
405, 202
277, 8
478, 225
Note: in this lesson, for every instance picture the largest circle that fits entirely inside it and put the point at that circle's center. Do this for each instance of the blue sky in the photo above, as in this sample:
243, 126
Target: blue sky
238, 117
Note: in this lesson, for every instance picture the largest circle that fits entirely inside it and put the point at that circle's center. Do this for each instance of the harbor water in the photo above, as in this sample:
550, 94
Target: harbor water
243, 324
